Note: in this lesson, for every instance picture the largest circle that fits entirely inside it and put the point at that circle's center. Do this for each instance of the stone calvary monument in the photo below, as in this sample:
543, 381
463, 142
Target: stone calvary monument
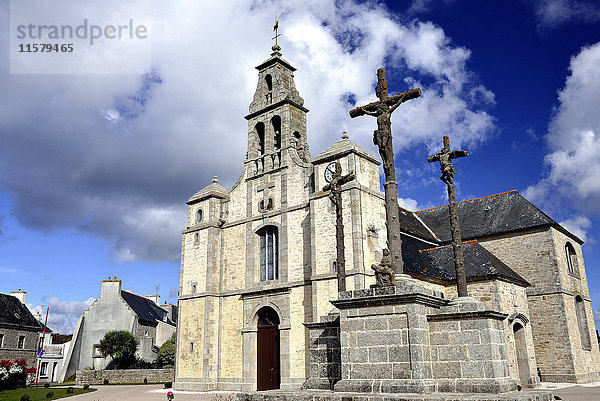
264, 263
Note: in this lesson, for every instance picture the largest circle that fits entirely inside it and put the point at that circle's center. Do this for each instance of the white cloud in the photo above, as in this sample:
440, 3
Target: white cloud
408, 204
63, 315
573, 163
118, 156
551, 13
578, 225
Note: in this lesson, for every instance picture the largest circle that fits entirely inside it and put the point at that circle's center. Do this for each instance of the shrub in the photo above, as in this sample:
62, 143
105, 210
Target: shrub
86, 386
14, 375
50, 394
120, 345
168, 384
166, 354
105, 381
46, 385
70, 390
25, 397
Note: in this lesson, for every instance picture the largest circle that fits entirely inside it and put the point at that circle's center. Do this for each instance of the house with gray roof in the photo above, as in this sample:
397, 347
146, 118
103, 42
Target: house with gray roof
150, 323
19, 329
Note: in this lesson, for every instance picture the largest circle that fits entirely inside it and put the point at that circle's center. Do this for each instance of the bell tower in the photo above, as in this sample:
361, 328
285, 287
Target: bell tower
277, 119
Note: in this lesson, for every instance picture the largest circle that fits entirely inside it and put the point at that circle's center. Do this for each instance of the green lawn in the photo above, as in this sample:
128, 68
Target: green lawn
39, 394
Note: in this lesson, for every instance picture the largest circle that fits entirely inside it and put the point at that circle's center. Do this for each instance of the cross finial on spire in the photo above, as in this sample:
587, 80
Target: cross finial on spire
276, 46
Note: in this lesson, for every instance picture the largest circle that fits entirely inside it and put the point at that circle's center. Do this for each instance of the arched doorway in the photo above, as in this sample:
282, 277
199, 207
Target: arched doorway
267, 371
521, 353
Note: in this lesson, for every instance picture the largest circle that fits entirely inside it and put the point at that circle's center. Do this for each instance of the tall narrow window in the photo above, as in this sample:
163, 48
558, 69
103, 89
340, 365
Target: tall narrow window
1, 339
269, 254
21, 343
260, 136
199, 216
572, 264
276, 122
584, 332
269, 81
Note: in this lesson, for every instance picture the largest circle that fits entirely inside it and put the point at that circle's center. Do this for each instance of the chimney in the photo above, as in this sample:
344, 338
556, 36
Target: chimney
154, 298
111, 288
20, 295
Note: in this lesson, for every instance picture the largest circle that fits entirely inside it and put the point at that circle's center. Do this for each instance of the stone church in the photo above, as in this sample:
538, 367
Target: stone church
258, 263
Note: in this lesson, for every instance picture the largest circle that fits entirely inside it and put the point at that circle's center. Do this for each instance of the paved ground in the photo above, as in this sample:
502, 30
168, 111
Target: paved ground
155, 392
581, 392
150, 392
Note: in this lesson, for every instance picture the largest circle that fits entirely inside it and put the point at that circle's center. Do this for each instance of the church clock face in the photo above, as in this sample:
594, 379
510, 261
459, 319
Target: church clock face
330, 172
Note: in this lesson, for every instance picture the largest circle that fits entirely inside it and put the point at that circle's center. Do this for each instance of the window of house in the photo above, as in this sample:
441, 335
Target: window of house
96, 353
334, 264
1, 340
572, 264
146, 333
43, 369
198, 215
193, 288
191, 347
21, 343
582, 322
269, 253
197, 237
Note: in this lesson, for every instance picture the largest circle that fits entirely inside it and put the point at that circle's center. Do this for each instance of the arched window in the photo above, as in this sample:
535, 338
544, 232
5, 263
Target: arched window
269, 253
582, 322
269, 81
198, 215
276, 122
572, 264
260, 136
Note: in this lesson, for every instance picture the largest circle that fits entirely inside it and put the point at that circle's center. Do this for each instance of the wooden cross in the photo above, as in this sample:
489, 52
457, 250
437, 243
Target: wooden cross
382, 137
445, 157
335, 188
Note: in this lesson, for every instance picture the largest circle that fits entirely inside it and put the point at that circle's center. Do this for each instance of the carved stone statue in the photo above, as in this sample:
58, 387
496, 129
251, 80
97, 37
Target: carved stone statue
384, 274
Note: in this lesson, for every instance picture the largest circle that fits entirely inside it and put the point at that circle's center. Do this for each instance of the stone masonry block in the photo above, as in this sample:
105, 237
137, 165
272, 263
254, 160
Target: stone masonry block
378, 354
451, 353
446, 370
473, 370
465, 337
401, 370
474, 324
399, 354
376, 323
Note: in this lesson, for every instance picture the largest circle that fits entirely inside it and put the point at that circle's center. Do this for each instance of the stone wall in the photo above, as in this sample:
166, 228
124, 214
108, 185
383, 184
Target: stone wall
124, 376
325, 353
10, 342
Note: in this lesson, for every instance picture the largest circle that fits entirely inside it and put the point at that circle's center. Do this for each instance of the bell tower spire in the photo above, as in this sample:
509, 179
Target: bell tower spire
277, 119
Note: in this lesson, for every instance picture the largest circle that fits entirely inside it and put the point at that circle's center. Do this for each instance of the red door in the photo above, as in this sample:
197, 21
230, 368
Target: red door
268, 358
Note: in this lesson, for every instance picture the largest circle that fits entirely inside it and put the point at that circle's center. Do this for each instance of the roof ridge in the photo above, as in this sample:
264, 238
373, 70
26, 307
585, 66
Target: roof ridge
471, 242
468, 200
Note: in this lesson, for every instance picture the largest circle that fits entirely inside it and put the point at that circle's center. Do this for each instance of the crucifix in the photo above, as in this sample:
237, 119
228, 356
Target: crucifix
333, 175
382, 137
276, 47
445, 157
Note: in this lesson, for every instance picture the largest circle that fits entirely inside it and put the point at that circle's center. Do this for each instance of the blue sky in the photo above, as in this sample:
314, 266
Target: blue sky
95, 169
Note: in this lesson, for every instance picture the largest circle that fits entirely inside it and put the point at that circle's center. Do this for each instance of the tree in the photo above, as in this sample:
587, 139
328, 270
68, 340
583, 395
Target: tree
166, 353
120, 345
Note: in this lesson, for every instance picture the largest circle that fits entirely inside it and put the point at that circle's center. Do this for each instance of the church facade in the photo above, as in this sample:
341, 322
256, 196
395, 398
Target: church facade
258, 260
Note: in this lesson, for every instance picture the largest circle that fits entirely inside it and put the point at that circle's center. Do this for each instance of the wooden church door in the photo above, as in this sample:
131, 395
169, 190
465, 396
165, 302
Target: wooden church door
268, 350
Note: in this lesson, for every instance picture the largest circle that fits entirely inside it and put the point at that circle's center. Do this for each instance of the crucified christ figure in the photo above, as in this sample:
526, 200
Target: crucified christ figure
382, 137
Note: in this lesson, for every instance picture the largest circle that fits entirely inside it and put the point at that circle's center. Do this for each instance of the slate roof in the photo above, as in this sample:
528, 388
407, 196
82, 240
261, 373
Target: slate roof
438, 262
342, 147
14, 313
145, 309
504, 212
411, 223
213, 190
